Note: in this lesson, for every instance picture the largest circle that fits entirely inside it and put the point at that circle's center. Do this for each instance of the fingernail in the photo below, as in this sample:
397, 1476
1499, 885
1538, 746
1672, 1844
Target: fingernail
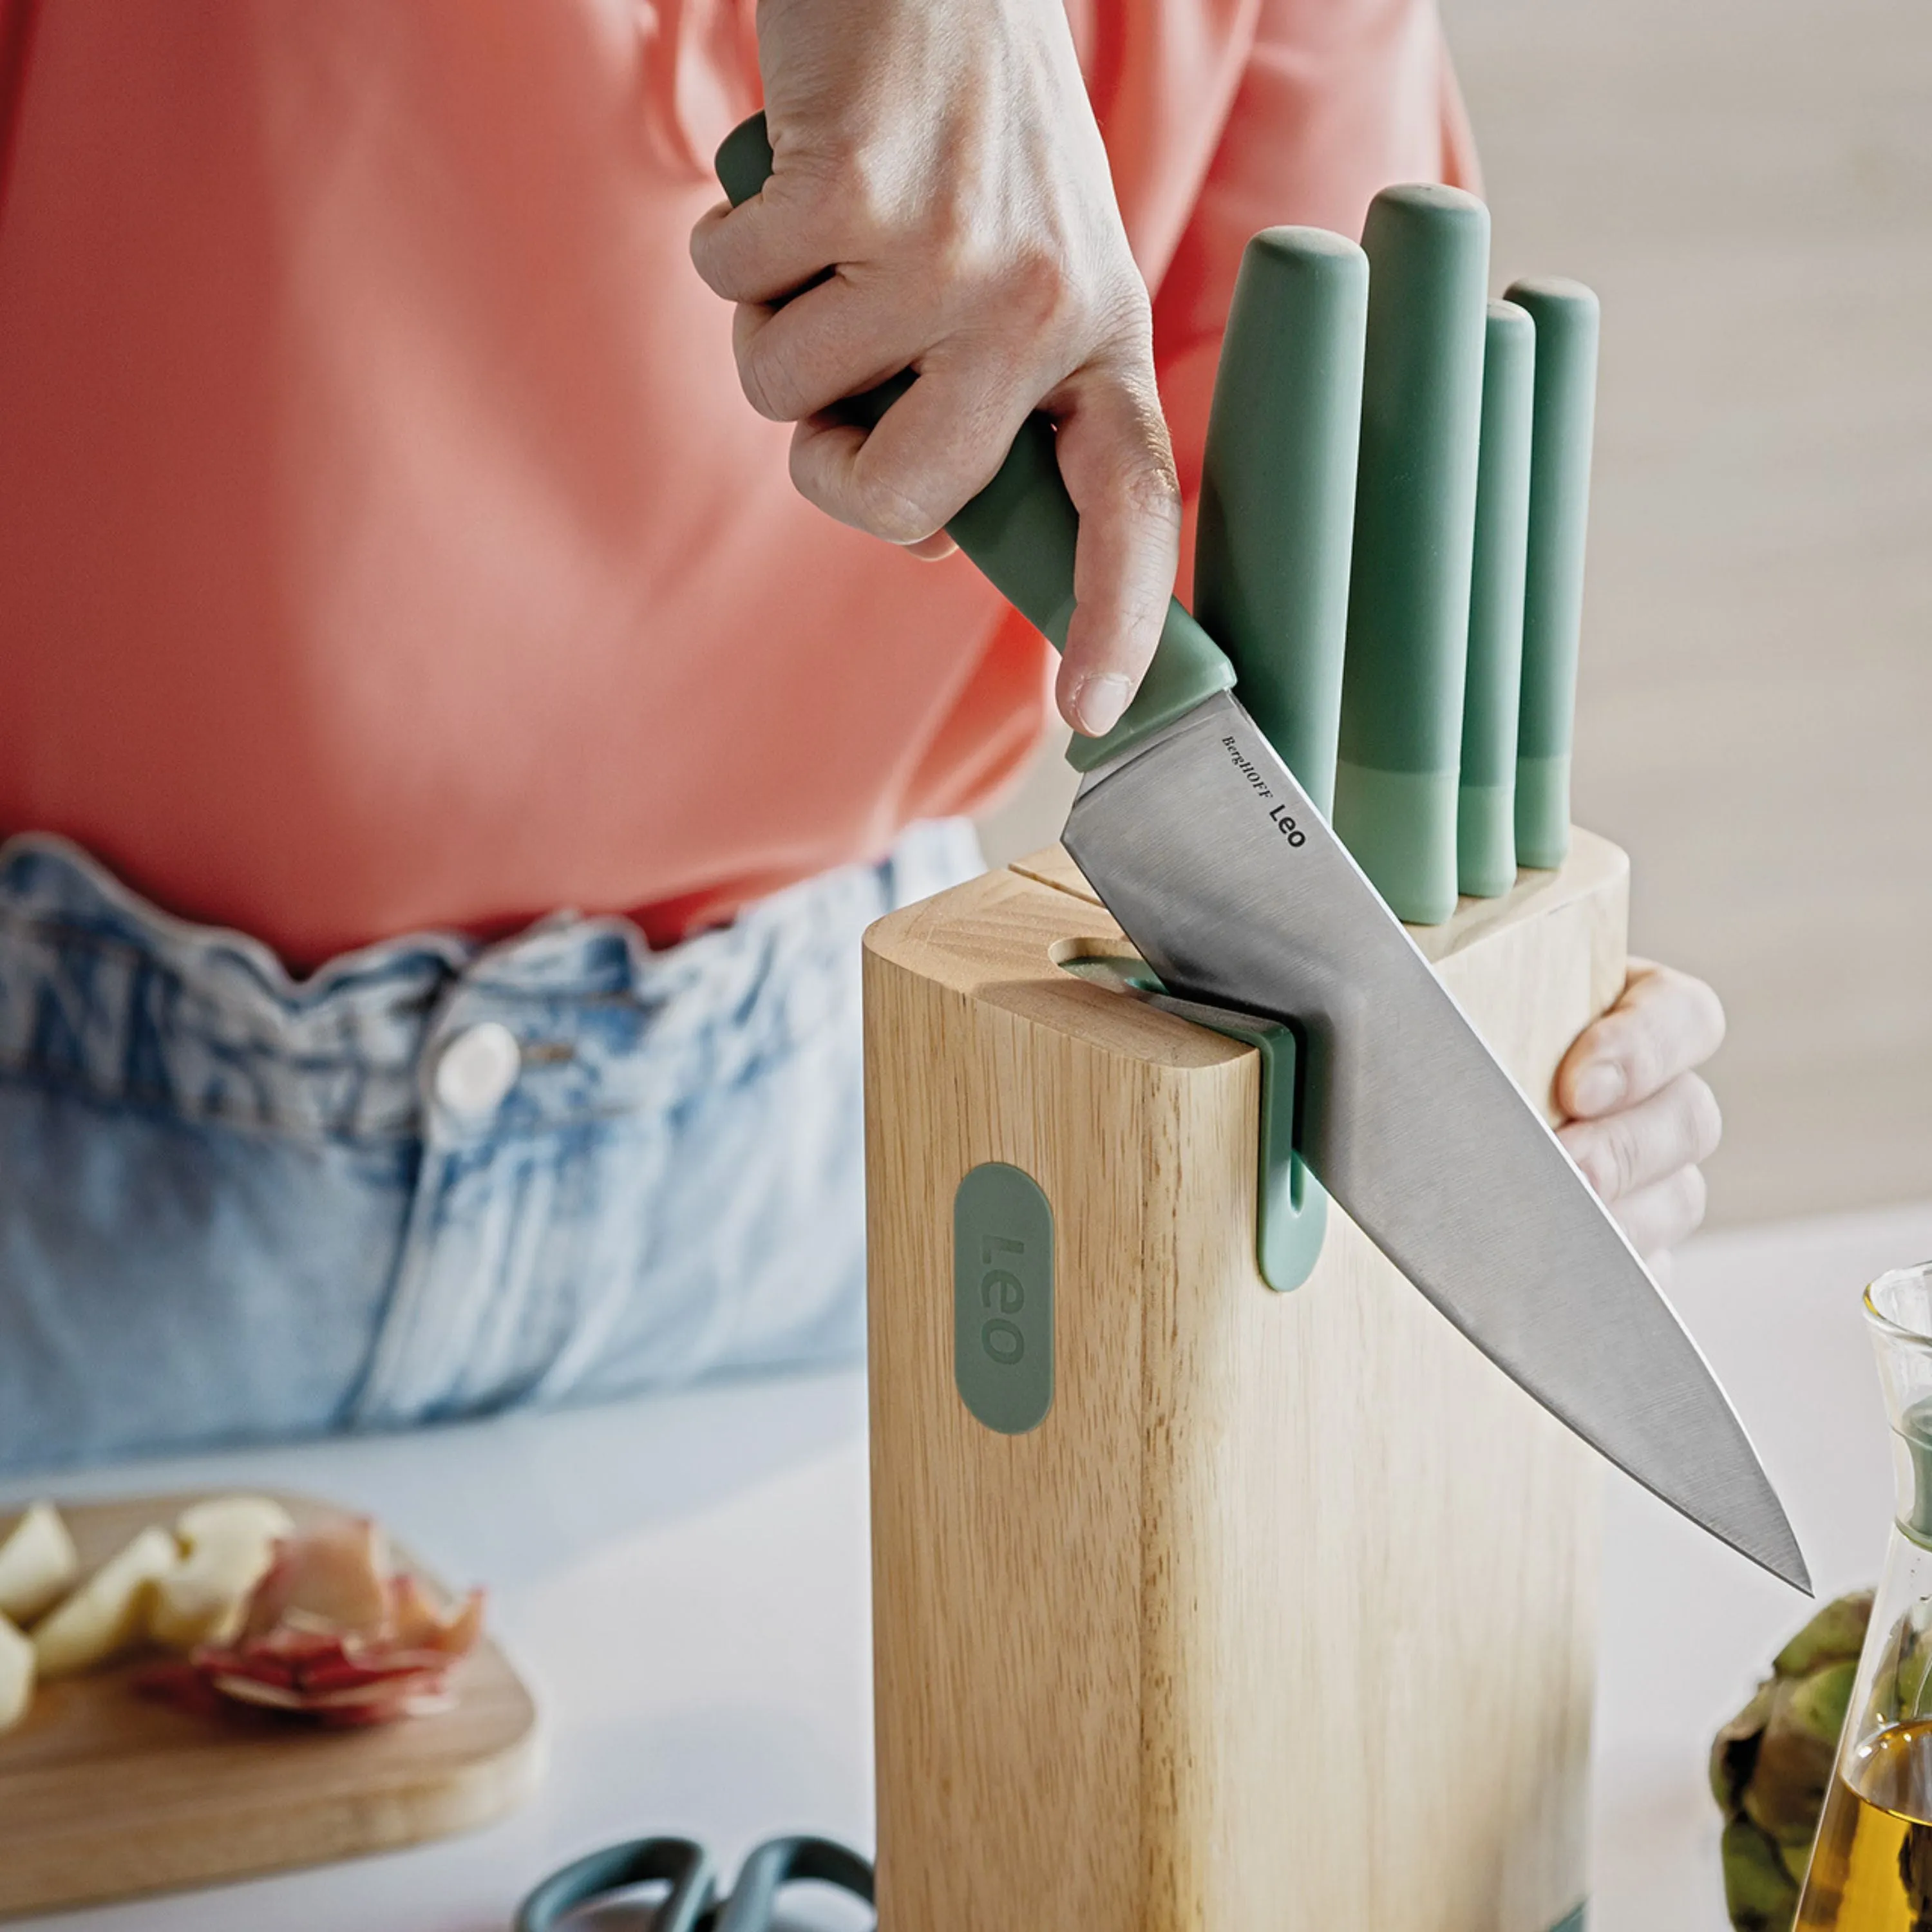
1599, 1087
1098, 702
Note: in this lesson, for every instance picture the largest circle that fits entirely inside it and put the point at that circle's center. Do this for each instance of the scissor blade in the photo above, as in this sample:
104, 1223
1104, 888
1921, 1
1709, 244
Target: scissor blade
1235, 890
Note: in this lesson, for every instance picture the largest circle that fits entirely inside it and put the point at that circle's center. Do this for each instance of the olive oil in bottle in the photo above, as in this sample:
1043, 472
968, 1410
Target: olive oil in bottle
1871, 1863
1871, 1870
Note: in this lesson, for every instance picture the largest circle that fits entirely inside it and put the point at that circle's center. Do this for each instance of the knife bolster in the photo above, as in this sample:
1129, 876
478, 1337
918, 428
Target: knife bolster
1281, 1619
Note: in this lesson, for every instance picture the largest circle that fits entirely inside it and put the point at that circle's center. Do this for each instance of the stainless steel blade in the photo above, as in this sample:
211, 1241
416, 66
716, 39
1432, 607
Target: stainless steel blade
1235, 890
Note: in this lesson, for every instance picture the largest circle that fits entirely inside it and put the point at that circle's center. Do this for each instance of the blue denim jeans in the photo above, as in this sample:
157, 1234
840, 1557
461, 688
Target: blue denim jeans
435, 1178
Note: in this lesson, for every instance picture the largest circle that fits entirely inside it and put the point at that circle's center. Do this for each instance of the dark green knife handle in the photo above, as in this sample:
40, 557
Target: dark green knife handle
1020, 529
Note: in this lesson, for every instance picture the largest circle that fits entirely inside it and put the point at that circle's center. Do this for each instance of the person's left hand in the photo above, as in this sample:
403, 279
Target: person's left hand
1638, 1119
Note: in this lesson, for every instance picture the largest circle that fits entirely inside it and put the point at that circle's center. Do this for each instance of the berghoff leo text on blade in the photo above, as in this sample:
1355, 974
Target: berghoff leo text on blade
1235, 891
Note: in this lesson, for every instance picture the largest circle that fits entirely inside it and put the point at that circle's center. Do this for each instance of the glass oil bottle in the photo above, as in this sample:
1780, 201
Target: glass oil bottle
1871, 1867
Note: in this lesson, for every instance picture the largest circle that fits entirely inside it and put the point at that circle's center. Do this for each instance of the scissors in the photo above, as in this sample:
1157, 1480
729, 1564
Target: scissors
693, 1904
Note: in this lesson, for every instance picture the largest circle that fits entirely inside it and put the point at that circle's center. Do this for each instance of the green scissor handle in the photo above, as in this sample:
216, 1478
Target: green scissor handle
692, 1903
783, 1862
678, 1863
1020, 530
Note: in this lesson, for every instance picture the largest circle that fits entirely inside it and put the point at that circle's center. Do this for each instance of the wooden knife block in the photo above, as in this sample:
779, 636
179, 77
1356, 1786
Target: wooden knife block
1282, 1620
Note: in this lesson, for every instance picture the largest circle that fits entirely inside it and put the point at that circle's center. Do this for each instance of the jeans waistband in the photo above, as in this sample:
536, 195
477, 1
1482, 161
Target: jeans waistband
102, 991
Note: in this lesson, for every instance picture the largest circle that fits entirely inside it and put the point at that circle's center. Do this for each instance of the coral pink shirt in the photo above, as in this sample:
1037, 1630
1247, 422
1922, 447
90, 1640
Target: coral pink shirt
385, 543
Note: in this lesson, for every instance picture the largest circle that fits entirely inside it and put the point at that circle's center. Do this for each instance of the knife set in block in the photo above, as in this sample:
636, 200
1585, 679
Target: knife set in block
1220, 1584
1279, 1618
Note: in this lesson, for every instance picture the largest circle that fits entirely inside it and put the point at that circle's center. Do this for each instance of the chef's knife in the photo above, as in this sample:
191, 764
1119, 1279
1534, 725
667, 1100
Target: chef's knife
1218, 868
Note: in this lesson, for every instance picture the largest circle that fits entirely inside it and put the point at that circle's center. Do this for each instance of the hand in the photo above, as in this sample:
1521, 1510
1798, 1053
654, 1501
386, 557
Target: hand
939, 167
1638, 1119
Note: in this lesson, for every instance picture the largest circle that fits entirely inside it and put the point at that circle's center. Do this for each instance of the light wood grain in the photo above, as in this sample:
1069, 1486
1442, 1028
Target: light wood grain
104, 1792
1281, 1622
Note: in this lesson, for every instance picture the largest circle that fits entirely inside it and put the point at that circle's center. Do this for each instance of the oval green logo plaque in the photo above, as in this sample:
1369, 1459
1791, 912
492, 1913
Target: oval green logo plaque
1003, 1297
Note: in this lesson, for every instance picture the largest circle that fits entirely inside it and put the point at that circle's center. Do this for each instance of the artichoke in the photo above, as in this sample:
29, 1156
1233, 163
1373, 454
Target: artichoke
1771, 1765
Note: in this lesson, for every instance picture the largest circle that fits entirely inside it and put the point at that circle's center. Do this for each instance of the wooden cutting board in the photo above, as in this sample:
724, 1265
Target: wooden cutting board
105, 1793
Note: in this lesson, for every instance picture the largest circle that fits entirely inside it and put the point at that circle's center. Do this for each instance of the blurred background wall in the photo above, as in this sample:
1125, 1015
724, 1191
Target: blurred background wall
1747, 184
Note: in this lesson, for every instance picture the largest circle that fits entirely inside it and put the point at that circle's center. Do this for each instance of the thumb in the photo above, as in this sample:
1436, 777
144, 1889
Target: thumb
1118, 467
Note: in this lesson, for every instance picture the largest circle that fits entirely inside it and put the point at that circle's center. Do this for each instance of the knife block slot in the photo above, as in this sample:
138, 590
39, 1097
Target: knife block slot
1281, 1619
1069, 955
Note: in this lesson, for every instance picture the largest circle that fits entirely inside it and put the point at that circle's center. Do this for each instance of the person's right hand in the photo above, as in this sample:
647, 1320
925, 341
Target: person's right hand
942, 163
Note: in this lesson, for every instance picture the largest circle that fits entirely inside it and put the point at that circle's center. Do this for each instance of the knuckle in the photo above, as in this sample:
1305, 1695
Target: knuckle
1572, 1093
870, 196
1623, 1155
1630, 1043
1024, 296
766, 383
888, 505
1150, 484
1129, 458
821, 472
1711, 1010
818, 181
1706, 1119
1150, 489
1587, 1147
1039, 293
704, 252
1127, 315
956, 245
1644, 1068
1696, 1012
1693, 1198
715, 247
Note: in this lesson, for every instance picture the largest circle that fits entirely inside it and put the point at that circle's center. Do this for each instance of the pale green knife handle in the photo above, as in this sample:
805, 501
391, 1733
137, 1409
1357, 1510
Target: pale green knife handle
1415, 511
1566, 317
1020, 531
1486, 806
1278, 489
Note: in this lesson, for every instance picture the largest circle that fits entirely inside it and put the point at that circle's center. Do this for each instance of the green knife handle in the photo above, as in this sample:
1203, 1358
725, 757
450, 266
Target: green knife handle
1485, 803
1415, 516
1278, 489
1020, 530
1566, 317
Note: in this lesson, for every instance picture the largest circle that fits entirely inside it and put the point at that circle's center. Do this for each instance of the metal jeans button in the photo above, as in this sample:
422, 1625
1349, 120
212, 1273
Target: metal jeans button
477, 1068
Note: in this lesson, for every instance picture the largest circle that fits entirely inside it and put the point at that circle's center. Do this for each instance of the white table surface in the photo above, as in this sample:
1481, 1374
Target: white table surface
683, 1580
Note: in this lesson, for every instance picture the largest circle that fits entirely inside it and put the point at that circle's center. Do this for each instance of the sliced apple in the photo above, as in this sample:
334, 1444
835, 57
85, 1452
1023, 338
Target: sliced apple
231, 1543
109, 1611
16, 1675
38, 1563
204, 1599
227, 1516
